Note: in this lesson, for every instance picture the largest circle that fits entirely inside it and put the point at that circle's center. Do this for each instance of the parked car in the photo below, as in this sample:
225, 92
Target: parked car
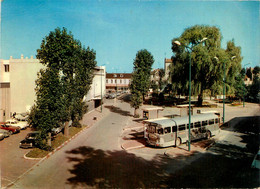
111, 96
2, 136
22, 117
5, 132
15, 123
11, 129
30, 140
57, 130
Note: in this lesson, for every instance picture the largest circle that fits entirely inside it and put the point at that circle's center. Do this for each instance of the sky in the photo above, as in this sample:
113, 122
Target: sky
117, 30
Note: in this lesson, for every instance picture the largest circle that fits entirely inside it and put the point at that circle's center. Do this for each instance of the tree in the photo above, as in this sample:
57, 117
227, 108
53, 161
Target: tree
162, 83
60, 87
249, 73
141, 77
254, 89
240, 89
207, 61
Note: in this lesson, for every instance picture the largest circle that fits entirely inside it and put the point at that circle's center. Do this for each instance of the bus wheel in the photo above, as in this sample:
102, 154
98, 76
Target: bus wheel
178, 142
208, 135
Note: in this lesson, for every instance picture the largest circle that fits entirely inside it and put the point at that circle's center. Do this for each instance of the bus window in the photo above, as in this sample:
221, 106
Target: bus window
160, 131
216, 120
197, 124
167, 130
204, 123
182, 127
174, 129
211, 121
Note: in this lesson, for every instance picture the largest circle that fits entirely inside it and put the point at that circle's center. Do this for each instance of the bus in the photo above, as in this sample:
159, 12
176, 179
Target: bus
175, 131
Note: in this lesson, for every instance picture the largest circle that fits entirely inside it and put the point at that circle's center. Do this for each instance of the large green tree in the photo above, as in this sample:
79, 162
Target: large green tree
140, 83
61, 87
207, 61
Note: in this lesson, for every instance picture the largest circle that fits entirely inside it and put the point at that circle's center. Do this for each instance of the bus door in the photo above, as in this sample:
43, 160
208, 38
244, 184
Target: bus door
168, 135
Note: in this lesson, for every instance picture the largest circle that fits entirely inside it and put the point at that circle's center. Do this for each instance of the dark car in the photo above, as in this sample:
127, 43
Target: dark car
11, 129
30, 140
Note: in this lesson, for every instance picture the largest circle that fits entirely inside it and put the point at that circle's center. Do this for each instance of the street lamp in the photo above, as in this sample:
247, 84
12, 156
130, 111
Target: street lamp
244, 86
101, 94
189, 50
224, 82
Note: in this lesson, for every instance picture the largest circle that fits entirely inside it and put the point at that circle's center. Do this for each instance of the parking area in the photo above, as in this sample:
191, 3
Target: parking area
12, 159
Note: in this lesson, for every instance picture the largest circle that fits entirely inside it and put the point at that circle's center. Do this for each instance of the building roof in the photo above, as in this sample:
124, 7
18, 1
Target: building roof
118, 75
168, 60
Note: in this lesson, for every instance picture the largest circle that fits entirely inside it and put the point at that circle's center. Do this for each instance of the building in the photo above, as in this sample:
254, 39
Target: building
17, 86
98, 88
118, 82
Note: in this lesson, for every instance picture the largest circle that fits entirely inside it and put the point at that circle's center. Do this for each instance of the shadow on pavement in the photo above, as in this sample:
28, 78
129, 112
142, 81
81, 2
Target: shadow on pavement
249, 127
120, 169
118, 110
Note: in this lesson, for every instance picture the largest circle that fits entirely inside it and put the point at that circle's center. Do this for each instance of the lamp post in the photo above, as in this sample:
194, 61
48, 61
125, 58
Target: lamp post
224, 86
244, 87
189, 50
101, 94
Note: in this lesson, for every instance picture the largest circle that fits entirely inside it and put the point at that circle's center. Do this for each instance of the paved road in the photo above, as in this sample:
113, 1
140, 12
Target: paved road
63, 169
95, 159
11, 158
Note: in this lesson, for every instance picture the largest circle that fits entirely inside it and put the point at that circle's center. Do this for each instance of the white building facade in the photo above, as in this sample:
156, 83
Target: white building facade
17, 85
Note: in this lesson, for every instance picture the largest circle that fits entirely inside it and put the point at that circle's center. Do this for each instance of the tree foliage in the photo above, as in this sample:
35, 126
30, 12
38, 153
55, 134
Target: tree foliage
64, 82
207, 61
140, 83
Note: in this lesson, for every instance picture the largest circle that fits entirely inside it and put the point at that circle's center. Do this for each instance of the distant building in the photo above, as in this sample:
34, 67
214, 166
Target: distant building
118, 81
17, 86
167, 65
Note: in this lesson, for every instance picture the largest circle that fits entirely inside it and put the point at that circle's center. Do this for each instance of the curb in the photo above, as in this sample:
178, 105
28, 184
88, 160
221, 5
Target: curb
131, 148
58, 148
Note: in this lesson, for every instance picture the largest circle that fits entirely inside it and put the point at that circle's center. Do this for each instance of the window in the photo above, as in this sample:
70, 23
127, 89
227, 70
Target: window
167, 130
115, 81
174, 129
191, 125
197, 124
211, 121
204, 123
6, 68
182, 127
120, 81
111, 80
160, 131
107, 81
216, 120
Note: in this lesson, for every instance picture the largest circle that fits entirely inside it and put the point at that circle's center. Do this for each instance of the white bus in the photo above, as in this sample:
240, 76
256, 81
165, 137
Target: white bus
175, 131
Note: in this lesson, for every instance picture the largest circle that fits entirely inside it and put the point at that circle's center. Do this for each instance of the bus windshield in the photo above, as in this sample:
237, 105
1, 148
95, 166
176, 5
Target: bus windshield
155, 129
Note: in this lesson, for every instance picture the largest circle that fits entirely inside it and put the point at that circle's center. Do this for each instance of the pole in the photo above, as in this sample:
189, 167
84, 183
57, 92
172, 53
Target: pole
224, 81
244, 85
244, 94
101, 88
189, 99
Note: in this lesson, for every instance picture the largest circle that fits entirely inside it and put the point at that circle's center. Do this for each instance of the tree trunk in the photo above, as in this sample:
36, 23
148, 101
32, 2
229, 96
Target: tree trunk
135, 112
200, 99
66, 129
49, 139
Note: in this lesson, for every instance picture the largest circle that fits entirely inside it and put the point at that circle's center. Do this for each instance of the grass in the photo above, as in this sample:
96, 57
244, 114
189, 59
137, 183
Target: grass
56, 142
